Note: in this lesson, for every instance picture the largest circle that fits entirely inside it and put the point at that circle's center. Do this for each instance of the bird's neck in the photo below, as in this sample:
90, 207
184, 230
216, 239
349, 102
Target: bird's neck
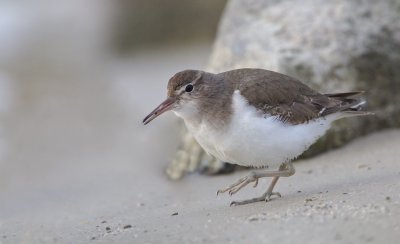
213, 113
190, 114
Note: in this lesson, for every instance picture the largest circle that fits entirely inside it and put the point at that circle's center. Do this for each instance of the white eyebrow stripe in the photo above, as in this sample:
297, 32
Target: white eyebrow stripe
182, 89
197, 78
193, 82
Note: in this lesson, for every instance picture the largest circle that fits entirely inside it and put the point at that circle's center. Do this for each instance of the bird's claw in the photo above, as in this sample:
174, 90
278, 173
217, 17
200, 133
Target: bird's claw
255, 183
265, 197
235, 187
269, 195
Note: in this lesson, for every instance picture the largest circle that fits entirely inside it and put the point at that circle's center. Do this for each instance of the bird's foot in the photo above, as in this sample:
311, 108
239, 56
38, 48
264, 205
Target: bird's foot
242, 182
265, 197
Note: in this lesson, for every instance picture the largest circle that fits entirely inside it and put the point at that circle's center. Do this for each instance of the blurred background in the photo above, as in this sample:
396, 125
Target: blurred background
76, 79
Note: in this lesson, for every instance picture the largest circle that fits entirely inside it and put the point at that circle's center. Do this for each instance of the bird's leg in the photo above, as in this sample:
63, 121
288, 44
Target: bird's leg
285, 170
267, 195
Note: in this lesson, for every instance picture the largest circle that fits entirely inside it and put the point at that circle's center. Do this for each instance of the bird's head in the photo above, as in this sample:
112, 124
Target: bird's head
184, 91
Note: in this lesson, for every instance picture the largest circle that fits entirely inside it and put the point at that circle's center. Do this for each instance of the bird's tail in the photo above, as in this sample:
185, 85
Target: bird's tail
351, 105
356, 109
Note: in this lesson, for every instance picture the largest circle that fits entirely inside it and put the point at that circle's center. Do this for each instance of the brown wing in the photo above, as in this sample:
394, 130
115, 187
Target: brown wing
285, 97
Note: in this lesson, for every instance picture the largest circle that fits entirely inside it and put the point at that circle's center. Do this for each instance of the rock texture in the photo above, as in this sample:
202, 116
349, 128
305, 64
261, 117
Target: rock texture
332, 46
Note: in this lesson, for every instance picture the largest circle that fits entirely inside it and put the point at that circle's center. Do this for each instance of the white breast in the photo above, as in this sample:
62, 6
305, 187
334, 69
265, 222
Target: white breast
254, 140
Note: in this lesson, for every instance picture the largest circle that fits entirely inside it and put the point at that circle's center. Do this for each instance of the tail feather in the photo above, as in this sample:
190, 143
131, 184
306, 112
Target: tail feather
348, 105
350, 113
358, 105
344, 94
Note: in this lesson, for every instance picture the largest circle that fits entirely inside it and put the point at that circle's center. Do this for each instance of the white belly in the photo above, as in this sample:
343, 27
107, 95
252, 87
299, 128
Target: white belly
252, 140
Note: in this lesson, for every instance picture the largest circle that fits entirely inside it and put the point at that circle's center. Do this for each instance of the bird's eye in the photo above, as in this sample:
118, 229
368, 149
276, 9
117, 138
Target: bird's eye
189, 88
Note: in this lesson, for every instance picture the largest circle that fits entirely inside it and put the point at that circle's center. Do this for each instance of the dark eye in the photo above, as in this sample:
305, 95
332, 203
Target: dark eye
189, 88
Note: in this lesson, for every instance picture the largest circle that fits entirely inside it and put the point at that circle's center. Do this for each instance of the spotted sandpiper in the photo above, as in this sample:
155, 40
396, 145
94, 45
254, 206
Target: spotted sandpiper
255, 118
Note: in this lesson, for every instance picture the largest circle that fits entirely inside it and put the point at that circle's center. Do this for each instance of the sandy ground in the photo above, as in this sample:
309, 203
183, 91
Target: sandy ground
350, 195
116, 192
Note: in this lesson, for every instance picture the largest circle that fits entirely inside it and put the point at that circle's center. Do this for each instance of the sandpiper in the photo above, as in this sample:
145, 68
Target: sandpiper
255, 118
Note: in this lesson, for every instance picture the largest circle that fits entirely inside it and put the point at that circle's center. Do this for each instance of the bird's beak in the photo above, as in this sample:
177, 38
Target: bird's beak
163, 107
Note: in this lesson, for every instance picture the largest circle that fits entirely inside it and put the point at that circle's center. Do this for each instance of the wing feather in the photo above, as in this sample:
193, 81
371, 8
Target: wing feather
287, 98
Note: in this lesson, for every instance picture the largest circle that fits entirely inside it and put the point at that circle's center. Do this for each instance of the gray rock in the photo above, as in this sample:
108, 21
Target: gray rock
333, 46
